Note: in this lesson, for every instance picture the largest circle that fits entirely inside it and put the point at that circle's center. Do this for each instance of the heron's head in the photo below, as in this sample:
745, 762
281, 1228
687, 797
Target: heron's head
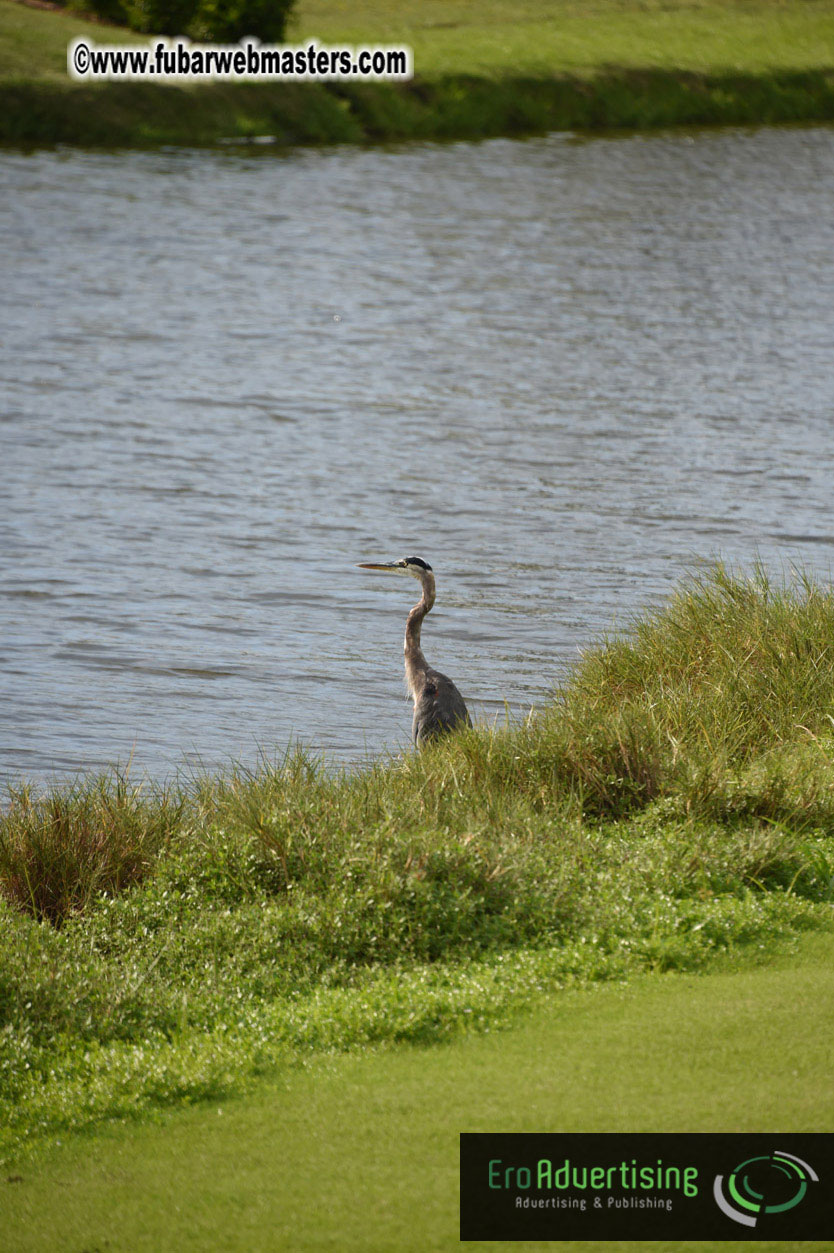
413, 566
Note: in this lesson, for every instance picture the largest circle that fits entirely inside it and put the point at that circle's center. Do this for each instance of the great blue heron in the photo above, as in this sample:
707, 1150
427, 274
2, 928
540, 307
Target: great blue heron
438, 705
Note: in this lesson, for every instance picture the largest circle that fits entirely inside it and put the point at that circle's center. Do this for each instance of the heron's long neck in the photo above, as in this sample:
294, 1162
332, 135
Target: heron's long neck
415, 663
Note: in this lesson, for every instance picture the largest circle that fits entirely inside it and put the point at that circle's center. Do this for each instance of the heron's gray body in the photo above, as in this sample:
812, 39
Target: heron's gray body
439, 708
438, 705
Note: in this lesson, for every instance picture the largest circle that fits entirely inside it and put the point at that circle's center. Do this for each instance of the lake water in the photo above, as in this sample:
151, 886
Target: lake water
561, 371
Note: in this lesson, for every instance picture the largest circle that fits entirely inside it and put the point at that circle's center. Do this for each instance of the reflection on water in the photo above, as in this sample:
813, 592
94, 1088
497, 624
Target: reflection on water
560, 371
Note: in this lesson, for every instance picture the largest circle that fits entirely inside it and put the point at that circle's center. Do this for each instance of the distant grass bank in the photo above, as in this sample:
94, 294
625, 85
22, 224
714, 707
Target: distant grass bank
481, 70
137, 115
673, 803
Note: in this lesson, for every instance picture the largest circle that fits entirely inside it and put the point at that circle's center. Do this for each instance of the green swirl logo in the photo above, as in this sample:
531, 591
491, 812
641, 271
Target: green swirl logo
763, 1185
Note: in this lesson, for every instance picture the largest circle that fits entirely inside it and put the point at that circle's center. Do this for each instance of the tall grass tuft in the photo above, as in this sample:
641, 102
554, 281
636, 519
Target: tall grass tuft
59, 851
730, 687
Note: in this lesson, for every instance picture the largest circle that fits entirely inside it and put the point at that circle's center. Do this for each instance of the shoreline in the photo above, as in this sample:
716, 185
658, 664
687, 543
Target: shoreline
673, 805
47, 113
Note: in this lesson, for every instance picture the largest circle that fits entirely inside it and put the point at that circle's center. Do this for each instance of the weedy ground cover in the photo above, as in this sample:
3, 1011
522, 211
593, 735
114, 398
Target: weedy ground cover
360, 1151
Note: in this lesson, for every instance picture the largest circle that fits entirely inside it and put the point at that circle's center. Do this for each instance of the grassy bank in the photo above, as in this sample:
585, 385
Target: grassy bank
360, 1153
485, 69
675, 801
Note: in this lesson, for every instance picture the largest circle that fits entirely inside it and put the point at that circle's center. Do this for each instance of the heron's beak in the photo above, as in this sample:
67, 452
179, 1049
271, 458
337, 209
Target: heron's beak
370, 565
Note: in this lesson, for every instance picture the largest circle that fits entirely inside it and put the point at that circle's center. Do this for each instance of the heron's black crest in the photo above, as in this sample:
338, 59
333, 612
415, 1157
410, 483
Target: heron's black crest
418, 561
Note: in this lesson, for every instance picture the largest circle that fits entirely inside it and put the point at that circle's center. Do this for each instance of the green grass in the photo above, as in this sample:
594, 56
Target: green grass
673, 802
33, 43
496, 38
360, 1152
482, 69
63, 851
541, 37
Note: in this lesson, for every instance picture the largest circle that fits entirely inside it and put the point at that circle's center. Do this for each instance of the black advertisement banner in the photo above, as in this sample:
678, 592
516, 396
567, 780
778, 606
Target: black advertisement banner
643, 1186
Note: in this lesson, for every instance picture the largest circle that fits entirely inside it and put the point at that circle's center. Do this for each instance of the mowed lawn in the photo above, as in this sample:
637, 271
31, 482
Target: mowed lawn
496, 37
585, 36
360, 1152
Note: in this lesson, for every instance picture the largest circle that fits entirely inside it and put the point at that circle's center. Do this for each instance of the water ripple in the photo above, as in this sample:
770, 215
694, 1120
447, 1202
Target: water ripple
562, 371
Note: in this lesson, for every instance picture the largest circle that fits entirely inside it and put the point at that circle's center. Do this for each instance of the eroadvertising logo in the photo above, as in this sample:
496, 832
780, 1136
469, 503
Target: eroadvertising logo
553, 1186
782, 1178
